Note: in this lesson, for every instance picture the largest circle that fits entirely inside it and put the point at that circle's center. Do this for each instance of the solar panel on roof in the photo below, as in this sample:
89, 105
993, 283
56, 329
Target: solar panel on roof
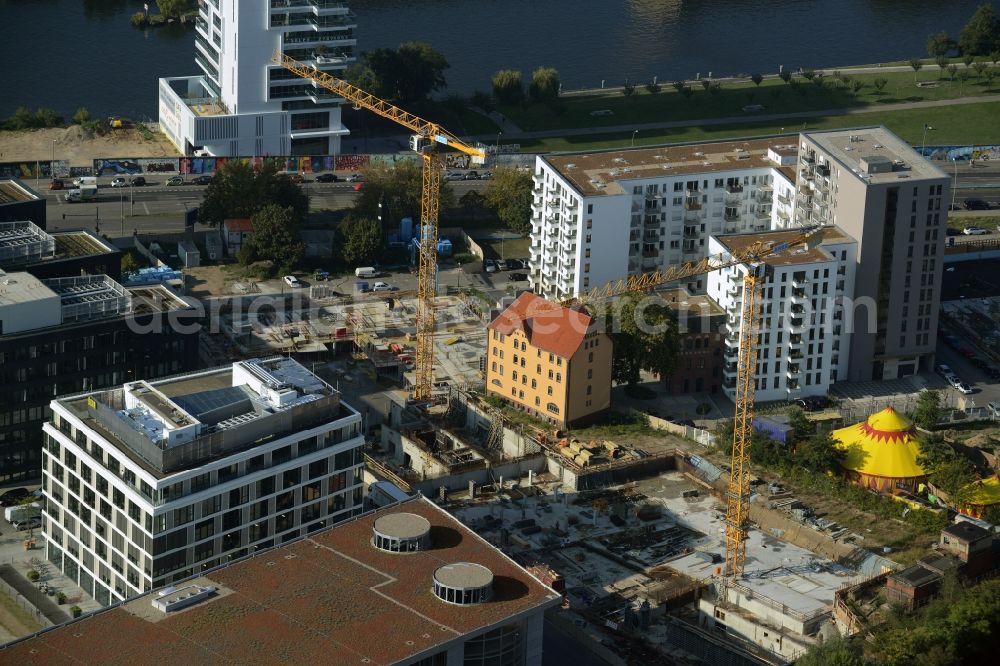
203, 402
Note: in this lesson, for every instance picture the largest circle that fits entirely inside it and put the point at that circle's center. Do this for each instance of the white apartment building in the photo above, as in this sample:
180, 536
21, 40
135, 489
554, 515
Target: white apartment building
600, 216
875, 187
157, 481
804, 337
242, 104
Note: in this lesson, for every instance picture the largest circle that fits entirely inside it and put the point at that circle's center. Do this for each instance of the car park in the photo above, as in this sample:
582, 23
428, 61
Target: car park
517, 277
975, 231
119, 181
56, 184
14, 496
175, 180
327, 178
964, 388
489, 266
292, 281
202, 180
137, 181
382, 286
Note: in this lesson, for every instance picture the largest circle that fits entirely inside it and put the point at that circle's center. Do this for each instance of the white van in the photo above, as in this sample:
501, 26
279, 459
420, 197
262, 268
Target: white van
365, 272
82, 181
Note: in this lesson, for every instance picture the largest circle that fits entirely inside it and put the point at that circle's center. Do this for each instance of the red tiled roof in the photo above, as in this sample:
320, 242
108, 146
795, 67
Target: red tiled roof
238, 224
328, 598
549, 326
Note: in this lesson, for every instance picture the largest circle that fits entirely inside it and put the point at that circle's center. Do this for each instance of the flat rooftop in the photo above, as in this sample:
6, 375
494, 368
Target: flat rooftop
73, 244
12, 191
854, 147
330, 597
806, 253
24, 242
595, 174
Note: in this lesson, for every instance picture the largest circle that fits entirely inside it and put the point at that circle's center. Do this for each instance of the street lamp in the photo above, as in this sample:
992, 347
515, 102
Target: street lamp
954, 188
633, 137
497, 148
52, 164
923, 142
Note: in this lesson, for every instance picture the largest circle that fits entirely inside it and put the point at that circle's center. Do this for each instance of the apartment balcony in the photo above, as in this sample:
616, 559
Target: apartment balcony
793, 387
692, 204
692, 232
784, 200
795, 341
650, 252
797, 325
798, 296
808, 159
571, 218
793, 372
794, 355
731, 217
734, 188
552, 200
734, 289
730, 370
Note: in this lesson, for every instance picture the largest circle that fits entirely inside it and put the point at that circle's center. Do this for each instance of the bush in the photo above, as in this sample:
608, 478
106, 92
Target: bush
33, 576
75, 611
653, 88
140, 19
61, 598
81, 116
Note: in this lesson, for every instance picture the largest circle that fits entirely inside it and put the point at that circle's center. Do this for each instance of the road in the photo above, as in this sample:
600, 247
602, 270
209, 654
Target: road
158, 208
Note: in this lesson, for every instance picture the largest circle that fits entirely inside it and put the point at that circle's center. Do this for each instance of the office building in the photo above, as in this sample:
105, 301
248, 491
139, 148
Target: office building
24, 246
550, 361
804, 342
601, 216
156, 481
242, 104
701, 329
20, 202
71, 334
406, 584
881, 192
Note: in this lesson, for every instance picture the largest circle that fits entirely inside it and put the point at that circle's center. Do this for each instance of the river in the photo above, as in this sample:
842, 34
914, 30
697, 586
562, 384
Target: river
64, 54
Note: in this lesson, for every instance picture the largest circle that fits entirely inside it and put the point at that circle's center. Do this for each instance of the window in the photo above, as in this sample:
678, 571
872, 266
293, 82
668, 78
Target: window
552, 407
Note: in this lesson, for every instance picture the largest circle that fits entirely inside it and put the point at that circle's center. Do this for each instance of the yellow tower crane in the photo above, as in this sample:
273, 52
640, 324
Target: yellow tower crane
754, 257
426, 139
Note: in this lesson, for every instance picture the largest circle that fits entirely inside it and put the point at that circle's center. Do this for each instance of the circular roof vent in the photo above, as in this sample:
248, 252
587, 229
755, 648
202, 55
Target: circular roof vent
463, 583
401, 533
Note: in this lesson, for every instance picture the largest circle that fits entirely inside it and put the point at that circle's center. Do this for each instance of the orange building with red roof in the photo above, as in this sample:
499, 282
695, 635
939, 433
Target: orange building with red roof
550, 361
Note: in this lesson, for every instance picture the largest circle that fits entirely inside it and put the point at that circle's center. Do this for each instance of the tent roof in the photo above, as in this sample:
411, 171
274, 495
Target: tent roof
984, 492
885, 445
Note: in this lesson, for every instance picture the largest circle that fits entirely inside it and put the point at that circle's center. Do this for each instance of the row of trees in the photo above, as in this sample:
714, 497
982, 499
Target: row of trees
979, 37
508, 86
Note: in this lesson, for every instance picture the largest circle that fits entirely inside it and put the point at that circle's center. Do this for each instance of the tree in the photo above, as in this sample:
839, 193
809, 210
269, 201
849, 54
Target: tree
706, 84
880, 83
398, 187
808, 74
653, 87
544, 85
939, 44
359, 240
483, 100
819, 453
995, 56
818, 79
677, 85
857, 85
928, 411
507, 86
275, 237
645, 338
834, 652
129, 263
407, 74
934, 452
963, 76
967, 60
47, 118
917, 64
979, 67
172, 9
785, 76
757, 79
81, 116
628, 89
802, 427
941, 62
239, 191
989, 74
508, 194
952, 70
981, 35
953, 477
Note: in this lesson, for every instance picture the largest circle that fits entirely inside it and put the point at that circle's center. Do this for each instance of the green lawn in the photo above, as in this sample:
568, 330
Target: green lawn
774, 95
991, 222
959, 124
512, 249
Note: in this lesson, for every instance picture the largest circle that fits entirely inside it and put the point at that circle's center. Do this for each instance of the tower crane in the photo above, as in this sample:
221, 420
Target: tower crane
754, 257
425, 140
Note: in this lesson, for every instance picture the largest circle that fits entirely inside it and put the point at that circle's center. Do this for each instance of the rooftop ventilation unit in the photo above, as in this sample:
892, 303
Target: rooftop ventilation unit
463, 583
175, 600
401, 533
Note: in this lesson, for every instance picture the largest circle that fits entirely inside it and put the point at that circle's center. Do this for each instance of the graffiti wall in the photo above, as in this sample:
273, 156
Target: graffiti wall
961, 153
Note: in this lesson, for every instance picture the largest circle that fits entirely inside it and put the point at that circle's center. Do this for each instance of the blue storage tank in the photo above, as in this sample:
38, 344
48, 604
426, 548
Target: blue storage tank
444, 247
406, 229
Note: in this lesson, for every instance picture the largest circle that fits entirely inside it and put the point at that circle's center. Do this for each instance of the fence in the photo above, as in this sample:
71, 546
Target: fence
25, 605
458, 232
703, 437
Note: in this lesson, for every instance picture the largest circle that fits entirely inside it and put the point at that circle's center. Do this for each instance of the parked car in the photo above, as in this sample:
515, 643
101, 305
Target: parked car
292, 281
452, 175
517, 277
967, 353
321, 276
327, 178
14, 496
954, 381
964, 388
975, 204
296, 178
471, 175
382, 286
119, 181
975, 231
489, 266
514, 264
812, 403
202, 180
175, 180
32, 523
137, 181
944, 370
56, 184
355, 178
486, 175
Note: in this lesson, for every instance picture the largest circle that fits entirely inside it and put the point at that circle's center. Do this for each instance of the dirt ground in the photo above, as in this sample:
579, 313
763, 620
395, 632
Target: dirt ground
79, 146
14, 621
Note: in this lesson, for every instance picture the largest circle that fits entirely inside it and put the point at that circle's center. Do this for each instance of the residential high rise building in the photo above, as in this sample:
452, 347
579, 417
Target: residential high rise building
155, 482
244, 105
550, 361
701, 329
62, 335
600, 216
803, 343
894, 202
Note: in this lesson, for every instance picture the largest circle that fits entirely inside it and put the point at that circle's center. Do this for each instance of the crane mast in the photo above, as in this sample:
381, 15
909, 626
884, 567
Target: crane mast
426, 139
